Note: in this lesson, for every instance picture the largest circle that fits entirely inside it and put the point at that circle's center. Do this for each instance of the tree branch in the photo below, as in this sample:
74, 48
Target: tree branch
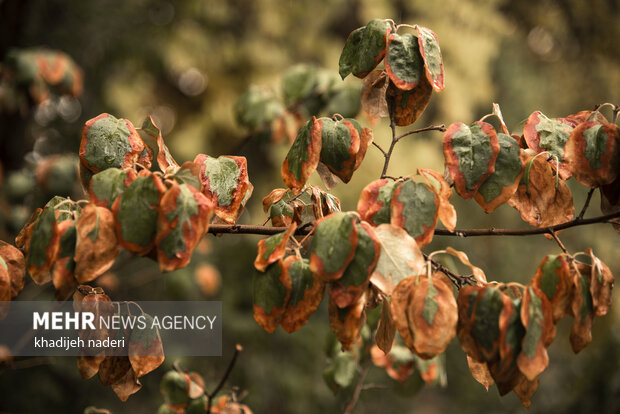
358, 390
388, 155
441, 128
305, 229
217, 389
586, 204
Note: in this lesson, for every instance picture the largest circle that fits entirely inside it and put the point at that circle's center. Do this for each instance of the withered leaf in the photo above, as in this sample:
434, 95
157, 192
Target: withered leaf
272, 292
480, 372
273, 248
553, 277
374, 89
96, 245
15, 264
409, 105
306, 293
601, 285
386, 330
346, 323
333, 245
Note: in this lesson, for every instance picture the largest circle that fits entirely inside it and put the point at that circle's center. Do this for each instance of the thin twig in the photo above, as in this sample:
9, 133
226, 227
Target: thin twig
586, 204
358, 390
304, 230
441, 128
457, 280
388, 156
380, 149
559, 242
210, 396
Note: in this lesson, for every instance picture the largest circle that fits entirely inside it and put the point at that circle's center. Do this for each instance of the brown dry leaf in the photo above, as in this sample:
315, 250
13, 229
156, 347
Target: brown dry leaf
409, 105
581, 307
5, 289
400, 370
373, 94
273, 197
542, 199
22, 241
127, 385
5, 354
347, 323
553, 277
476, 271
386, 330
88, 366
436, 182
480, 372
113, 369
16, 266
525, 389
97, 246
601, 284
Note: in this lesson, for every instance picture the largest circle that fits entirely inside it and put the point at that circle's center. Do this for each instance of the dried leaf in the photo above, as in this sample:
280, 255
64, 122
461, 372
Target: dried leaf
470, 153
500, 186
165, 161
593, 153
146, 352
273, 248
333, 245
109, 142
525, 389
183, 220
601, 285
400, 258
409, 105
374, 90
553, 278
425, 314
478, 326
403, 62
306, 293
96, 245
415, 208
542, 199
398, 363
476, 271
346, 323
432, 371
386, 330
364, 49
303, 156
15, 264
64, 265
433, 62
225, 182
480, 372
273, 197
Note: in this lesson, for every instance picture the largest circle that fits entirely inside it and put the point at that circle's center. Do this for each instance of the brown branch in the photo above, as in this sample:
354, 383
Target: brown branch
388, 155
358, 390
586, 204
457, 280
380, 149
559, 242
211, 395
305, 229
441, 128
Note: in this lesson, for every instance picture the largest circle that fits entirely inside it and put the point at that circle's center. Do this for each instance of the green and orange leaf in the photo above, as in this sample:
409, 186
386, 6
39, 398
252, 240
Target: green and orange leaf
109, 142
347, 323
306, 293
226, 183
374, 202
470, 153
553, 278
165, 161
15, 264
364, 49
403, 62
272, 292
273, 248
409, 105
431, 53
303, 156
182, 221
333, 245
106, 186
550, 135
415, 208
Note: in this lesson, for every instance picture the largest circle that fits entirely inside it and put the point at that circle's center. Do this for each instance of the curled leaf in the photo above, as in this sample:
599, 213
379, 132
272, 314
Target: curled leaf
15, 265
303, 156
601, 285
386, 329
374, 202
433, 62
403, 62
374, 90
436, 183
415, 208
553, 278
409, 105
339, 147
364, 49
346, 323
480, 372
225, 182
476, 271
582, 308
273, 248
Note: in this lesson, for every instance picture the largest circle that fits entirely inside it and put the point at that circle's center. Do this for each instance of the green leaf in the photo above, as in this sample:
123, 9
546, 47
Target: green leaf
500, 186
257, 108
433, 62
333, 245
544, 134
364, 49
415, 208
303, 156
109, 142
106, 186
348, 289
226, 183
340, 146
470, 153
403, 63
135, 212
271, 292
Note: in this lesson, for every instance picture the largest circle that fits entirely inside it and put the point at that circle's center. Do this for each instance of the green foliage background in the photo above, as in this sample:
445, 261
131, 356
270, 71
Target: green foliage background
186, 62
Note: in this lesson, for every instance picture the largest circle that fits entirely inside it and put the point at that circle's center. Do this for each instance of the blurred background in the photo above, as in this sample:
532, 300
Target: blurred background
187, 63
